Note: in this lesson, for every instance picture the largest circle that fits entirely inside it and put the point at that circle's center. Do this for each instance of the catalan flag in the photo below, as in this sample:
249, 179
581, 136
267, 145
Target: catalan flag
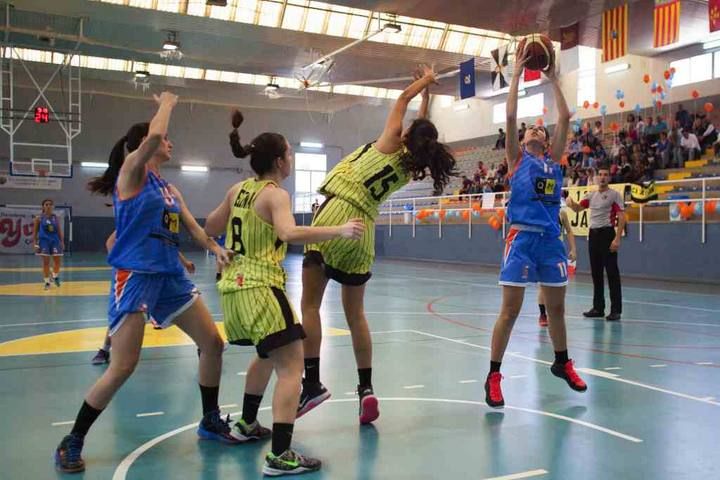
615, 33
667, 22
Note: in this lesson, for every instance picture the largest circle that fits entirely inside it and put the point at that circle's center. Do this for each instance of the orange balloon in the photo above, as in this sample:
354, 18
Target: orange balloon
500, 213
646, 78
466, 215
686, 211
545, 110
622, 104
476, 207
659, 89
710, 206
695, 94
596, 105
709, 107
494, 222
666, 74
539, 122
443, 214
586, 104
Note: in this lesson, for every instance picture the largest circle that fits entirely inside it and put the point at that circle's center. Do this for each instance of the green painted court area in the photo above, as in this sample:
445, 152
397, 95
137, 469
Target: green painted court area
652, 409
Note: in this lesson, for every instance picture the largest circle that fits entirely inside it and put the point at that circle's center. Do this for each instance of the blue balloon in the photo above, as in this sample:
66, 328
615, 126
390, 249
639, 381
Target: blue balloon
674, 210
698, 209
618, 94
668, 83
662, 95
408, 207
576, 127
603, 110
654, 85
622, 94
435, 215
475, 214
638, 108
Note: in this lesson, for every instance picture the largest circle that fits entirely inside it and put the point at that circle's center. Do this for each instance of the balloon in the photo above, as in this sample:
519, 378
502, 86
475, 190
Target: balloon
500, 213
622, 104
576, 127
603, 109
668, 83
476, 214
654, 85
466, 215
658, 104
710, 206
494, 222
686, 211
709, 107
586, 104
545, 110
596, 105
663, 95
653, 90
476, 207
614, 127
408, 207
442, 214
660, 89
695, 94
539, 122
646, 78
638, 108
672, 71
674, 210
618, 94
666, 74
698, 209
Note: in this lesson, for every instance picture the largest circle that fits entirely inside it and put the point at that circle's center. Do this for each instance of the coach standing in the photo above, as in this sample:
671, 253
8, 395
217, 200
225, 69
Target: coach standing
607, 208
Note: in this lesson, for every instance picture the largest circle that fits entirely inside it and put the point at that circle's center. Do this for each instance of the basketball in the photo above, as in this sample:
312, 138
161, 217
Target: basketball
541, 55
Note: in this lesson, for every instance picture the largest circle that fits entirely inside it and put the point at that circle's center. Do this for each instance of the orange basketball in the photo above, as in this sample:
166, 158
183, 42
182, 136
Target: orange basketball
541, 55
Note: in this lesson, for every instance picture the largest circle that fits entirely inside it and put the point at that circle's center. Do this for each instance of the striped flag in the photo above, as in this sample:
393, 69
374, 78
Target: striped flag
667, 22
615, 33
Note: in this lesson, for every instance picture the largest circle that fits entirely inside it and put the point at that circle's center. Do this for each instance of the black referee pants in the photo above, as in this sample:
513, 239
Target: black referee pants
601, 258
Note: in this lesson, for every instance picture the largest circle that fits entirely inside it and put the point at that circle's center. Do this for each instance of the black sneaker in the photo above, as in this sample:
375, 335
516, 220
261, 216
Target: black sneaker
613, 317
68, 455
57, 281
592, 313
289, 463
313, 394
214, 427
369, 411
101, 357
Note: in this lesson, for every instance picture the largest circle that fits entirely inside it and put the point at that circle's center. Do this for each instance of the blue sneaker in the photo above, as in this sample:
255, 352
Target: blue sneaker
57, 281
213, 427
68, 457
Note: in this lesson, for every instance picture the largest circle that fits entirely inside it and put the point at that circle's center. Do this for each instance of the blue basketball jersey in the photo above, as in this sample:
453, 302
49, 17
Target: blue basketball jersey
48, 228
535, 194
147, 228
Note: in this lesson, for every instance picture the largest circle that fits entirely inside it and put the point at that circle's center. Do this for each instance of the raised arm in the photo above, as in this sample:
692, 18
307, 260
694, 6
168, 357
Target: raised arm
216, 222
132, 173
563, 123
390, 140
512, 142
277, 201
425, 104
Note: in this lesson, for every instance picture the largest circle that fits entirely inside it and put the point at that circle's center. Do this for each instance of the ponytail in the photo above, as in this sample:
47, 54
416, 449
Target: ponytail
263, 150
105, 184
426, 155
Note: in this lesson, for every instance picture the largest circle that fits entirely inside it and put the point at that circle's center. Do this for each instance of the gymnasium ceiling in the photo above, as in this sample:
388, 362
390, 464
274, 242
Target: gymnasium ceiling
129, 33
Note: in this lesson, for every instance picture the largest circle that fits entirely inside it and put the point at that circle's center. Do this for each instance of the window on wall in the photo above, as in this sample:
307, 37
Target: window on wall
586, 87
531, 106
310, 171
694, 69
717, 64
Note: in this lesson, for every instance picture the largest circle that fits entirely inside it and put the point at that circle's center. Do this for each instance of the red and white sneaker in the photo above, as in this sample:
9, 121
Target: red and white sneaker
493, 392
369, 411
567, 372
542, 320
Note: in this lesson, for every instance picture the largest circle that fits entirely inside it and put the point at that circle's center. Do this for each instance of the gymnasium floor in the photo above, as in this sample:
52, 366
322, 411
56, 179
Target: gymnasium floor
652, 410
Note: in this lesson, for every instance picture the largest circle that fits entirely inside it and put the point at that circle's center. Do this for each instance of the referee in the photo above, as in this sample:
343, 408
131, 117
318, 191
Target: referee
606, 209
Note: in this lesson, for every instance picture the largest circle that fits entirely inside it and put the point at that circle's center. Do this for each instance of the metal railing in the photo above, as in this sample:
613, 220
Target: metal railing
438, 204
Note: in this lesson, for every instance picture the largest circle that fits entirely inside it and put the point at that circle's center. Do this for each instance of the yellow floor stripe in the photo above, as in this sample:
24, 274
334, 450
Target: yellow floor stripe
90, 339
63, 269
66, 289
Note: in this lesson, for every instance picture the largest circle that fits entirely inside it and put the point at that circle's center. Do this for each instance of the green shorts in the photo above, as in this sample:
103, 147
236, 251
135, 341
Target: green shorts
345, 261
262, 317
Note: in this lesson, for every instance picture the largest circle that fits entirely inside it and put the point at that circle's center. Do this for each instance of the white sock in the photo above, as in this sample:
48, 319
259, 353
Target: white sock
47, 280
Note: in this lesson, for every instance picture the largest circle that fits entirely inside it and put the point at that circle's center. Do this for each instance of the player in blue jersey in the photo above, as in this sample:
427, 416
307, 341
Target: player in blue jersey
534, 252
49, 242
148, 278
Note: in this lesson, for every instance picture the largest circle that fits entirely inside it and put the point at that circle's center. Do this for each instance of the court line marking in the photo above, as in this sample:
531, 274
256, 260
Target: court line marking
124, 466
229, 405
612, 368
518, 376
467, 381
589, 371
704, 363
518, 476
59, 424
659, 365
413, 387
485, 285
149, 414
242, 374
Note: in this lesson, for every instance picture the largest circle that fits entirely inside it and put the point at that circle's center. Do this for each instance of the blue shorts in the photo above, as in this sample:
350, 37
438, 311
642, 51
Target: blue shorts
50, 247
533, 257
160, 296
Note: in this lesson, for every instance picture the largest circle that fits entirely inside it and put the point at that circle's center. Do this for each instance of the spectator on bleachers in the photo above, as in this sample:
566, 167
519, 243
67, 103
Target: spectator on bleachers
591, 175
574, 179
675, 138
521, 131
661, 125
640, 128
682, 117
662, 149
709, 134
500, 142
690, 146
467, 185
489, 185
631, 129
481, 171
502, 171
598, 130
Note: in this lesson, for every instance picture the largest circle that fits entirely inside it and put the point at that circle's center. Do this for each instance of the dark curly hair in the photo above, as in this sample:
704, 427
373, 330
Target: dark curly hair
426, 156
